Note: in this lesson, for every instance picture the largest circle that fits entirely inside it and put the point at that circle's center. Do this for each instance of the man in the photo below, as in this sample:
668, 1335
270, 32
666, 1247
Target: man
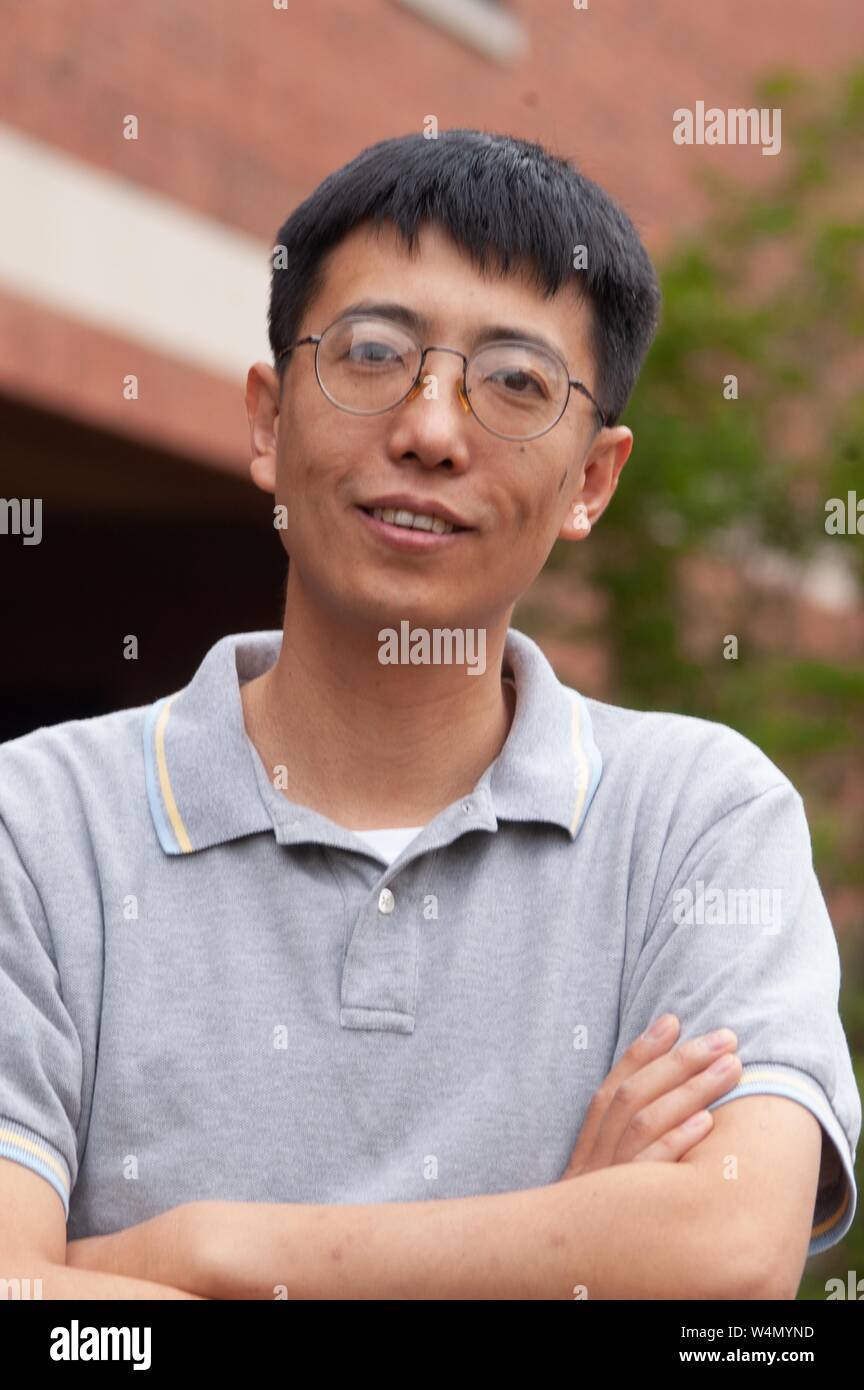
330, 975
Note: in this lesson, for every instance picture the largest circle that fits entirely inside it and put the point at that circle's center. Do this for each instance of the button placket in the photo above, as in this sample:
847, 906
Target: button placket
380, 969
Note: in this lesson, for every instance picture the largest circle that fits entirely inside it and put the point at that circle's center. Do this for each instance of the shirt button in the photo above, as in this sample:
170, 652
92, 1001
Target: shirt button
466, 806
386, 901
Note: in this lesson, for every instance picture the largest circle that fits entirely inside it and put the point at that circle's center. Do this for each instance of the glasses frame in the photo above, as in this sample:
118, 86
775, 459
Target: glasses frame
573, 384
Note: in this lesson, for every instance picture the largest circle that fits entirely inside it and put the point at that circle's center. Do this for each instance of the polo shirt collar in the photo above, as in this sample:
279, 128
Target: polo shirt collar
206, 784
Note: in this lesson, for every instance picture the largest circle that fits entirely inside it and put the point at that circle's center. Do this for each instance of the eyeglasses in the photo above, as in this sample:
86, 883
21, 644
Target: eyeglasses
367, 365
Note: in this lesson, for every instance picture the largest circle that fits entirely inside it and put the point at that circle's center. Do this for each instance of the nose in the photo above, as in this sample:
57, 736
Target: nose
431, 429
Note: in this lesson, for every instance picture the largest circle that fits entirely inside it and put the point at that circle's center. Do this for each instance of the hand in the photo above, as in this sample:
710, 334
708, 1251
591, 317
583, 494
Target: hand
168, 1249
640, 1111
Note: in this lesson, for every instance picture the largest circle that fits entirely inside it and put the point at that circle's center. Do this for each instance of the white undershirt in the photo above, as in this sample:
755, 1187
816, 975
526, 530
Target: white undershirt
390, 843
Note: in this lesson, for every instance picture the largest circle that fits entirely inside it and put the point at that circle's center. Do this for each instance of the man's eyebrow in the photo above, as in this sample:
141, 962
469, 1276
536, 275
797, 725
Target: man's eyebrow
419, 324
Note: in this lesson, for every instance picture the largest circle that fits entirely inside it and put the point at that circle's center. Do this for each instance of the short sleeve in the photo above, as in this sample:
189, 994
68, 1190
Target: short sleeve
742, 939
40, 1051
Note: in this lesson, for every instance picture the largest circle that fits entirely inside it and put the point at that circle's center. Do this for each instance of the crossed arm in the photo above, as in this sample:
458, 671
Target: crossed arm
701, 1228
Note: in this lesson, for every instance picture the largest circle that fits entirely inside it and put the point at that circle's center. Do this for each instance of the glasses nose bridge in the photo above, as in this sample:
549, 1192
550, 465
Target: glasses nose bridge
461, 391
433, 347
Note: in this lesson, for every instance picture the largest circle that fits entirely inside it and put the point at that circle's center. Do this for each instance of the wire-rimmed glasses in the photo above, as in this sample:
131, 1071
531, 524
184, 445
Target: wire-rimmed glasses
366, 364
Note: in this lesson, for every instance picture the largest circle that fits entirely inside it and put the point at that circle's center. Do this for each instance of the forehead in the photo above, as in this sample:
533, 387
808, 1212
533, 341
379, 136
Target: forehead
440, 281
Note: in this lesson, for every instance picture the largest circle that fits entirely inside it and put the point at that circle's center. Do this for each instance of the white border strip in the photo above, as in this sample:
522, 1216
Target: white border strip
481, 24
102, 249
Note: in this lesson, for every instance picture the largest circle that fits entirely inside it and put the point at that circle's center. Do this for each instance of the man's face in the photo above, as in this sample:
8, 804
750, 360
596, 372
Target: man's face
328, 464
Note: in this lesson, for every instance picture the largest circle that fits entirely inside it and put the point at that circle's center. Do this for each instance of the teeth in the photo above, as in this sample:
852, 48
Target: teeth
416, 522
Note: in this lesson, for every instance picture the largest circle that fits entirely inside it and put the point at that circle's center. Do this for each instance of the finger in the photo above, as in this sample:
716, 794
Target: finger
645, 1049
656, 1079
673, 1145
668, 1113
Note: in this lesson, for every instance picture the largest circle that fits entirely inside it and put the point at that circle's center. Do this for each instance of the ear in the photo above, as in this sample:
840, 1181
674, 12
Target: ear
601, 469
262, 409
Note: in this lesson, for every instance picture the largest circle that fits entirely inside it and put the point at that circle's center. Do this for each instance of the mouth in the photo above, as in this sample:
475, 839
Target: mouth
412, 531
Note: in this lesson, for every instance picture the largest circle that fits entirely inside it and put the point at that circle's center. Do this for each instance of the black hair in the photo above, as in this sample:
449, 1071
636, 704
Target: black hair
502, 200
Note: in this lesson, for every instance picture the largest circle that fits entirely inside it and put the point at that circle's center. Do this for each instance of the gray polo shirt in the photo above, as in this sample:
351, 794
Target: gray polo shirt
208, 991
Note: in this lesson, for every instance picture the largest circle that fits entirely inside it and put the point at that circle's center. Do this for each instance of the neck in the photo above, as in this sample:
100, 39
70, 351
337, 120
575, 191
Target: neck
371, 745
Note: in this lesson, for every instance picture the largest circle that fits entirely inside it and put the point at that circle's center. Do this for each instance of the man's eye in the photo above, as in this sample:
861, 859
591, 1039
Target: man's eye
520, 383
370, 353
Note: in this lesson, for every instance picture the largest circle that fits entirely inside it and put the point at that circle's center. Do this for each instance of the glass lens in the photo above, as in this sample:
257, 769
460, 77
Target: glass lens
367, 364
516, 389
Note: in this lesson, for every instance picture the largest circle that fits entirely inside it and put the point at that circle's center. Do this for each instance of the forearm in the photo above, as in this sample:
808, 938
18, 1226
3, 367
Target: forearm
62, 1281
643, 1230
161, 1253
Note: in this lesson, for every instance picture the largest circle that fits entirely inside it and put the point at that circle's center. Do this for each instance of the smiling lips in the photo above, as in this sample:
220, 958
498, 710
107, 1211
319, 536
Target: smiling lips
407, 530
417, 521
408, 509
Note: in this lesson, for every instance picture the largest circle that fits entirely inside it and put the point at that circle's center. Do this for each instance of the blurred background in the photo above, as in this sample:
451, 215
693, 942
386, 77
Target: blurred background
148, 155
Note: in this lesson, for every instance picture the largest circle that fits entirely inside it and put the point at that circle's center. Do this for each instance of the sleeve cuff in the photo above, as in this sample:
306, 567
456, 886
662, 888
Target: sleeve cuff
836, 1198
25, 1146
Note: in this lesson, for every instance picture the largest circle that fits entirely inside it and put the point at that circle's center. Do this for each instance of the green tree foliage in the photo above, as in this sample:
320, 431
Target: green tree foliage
772, 292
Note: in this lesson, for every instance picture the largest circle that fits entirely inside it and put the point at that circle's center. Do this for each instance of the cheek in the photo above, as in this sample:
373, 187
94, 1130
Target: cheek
531, 510
321, 472
537, 480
